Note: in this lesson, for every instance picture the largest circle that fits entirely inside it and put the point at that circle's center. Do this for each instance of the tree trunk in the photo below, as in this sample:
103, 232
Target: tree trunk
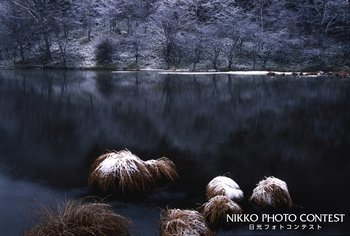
89, 33
261, 17
21, 52
48, 55
230, 62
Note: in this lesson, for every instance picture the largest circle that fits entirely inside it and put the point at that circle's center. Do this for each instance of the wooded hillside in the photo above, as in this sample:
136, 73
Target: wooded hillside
193, 34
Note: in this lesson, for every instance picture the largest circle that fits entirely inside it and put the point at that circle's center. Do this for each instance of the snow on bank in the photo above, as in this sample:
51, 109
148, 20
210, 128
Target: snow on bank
186, 72
260, 73
225, 73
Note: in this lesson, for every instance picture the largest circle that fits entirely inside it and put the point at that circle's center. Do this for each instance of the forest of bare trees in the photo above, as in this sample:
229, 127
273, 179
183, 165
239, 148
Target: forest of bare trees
193, 34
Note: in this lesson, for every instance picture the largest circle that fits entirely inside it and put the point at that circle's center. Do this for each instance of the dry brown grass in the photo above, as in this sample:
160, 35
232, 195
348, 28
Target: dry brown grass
216, 209
129, 172
162, 167
176, 222
80, 219
271, 193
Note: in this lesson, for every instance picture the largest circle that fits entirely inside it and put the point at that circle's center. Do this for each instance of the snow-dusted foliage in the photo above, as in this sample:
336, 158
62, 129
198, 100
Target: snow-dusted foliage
78, 218
216, 209
129, 171
183, 223
271, 193
222, 185
162, 167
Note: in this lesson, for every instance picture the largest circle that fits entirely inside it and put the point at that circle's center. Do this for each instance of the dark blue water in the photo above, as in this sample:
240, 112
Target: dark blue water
53, 124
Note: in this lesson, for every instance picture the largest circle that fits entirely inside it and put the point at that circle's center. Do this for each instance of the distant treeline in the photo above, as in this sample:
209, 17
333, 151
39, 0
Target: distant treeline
196, 34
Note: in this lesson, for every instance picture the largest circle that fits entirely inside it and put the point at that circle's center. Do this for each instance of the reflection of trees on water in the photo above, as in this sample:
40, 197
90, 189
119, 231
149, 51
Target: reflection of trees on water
197, 87
104, 83
168, 93
137, 83
215, 86
248, 126
37, 125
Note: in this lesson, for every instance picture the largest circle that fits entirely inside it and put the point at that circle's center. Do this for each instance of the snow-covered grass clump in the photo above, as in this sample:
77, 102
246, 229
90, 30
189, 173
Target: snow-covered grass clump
183, 223
271, 193
162, 167
77, 218
129, 172
222, 185
217, 208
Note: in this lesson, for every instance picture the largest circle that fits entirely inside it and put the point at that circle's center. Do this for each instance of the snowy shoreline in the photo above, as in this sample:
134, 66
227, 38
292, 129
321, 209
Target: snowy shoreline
263, 73
227, 72
340, 73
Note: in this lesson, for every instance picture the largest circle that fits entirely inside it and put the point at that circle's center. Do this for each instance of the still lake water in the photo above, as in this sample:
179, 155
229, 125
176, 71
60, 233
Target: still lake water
53, 124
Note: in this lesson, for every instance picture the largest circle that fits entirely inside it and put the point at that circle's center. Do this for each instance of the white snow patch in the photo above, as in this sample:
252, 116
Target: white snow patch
249, 72
234, 194
223, 180
108, 166
189, 73
151, 162
122, 71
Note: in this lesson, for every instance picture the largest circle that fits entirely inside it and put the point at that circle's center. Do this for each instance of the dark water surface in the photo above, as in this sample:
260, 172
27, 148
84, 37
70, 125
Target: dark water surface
54, 124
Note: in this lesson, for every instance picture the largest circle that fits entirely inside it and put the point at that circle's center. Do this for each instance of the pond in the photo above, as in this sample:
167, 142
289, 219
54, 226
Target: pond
53, 124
